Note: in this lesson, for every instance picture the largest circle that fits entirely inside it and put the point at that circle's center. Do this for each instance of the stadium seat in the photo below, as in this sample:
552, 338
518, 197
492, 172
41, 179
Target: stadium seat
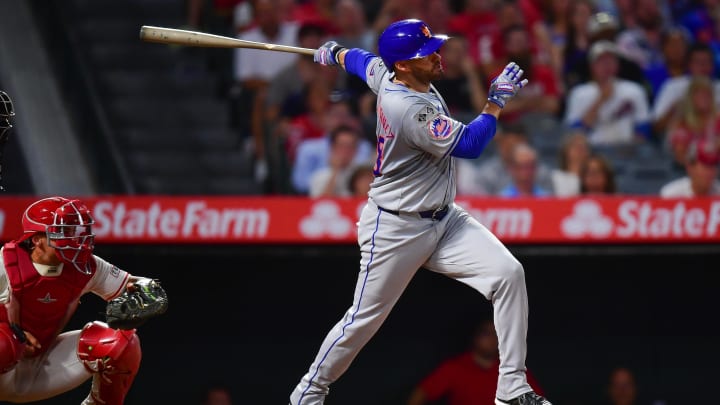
163, 103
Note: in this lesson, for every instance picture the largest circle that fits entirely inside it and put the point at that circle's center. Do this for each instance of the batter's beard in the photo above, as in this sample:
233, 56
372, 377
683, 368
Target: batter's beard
427, 77
437, 74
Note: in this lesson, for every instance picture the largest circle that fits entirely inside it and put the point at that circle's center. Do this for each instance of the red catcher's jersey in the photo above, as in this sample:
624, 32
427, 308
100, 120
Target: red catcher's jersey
46, 303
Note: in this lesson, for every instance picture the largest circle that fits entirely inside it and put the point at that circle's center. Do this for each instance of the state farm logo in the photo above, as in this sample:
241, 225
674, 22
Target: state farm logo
503, 222
638, 219
194, 219
325, 219
587, 219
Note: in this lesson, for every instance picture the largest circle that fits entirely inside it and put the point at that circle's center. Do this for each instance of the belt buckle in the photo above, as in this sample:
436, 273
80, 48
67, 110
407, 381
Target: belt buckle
434, 214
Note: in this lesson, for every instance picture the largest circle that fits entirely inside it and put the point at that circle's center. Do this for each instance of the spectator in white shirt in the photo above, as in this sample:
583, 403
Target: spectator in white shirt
254, 69
701, 166
612, 111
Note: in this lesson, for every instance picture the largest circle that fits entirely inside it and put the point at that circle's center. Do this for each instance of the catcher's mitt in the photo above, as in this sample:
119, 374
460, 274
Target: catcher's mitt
145, 300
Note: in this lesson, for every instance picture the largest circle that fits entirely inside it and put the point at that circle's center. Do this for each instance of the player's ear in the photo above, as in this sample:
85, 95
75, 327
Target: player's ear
401, 66
38, 238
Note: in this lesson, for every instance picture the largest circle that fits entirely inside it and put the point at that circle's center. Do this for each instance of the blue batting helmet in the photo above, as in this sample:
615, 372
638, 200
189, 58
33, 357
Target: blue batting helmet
407, 39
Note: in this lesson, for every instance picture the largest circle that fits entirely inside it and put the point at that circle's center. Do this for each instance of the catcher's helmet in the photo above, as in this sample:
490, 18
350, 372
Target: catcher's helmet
6, 105
407, 39
67, 225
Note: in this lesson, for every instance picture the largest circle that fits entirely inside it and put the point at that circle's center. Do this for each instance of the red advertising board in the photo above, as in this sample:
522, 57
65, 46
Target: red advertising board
289, 220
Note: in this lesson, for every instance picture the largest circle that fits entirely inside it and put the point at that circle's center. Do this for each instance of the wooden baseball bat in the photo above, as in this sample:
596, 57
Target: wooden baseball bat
175, 36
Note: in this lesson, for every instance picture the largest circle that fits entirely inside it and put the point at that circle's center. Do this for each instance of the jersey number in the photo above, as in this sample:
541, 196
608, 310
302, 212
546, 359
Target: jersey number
378, 161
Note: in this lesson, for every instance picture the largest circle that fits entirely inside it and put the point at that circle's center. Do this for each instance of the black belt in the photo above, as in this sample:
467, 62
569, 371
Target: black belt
436, 214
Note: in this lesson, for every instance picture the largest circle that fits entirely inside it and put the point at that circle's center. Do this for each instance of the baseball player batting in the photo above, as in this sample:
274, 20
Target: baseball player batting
411, 220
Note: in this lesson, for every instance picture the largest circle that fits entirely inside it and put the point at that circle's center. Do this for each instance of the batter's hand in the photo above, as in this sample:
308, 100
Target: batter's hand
327, 53
506, 85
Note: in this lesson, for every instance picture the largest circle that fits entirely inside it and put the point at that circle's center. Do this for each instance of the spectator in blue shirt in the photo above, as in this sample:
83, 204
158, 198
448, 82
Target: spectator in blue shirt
313, 155
523, 169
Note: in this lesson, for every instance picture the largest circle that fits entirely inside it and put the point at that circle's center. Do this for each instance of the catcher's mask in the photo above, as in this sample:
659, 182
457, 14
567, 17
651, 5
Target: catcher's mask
6, 111
68, 227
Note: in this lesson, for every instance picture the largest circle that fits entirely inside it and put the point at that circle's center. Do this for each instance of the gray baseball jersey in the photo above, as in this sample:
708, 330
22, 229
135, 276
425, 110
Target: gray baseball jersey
415, 172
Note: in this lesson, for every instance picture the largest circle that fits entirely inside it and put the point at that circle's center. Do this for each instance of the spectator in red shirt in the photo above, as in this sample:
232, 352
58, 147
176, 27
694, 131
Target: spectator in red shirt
520, 12
542, 93
437, 14
622, 388
308, 125
478, 23
461, 83
320, 12
470, 378
396, 10
198, 13
696, 117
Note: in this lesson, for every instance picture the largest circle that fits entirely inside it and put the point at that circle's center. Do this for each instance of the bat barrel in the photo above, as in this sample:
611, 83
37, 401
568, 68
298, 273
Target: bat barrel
175, 36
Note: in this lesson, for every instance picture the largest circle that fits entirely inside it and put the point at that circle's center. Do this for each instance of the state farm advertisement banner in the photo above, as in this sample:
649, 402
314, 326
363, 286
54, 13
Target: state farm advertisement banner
201, 219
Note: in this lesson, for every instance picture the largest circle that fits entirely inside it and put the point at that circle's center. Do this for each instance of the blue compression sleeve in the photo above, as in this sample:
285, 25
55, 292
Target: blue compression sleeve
477, 135
357, 61
579, 125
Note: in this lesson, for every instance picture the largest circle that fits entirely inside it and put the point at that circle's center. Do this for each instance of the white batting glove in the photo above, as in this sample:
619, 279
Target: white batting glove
506, 84
327, 53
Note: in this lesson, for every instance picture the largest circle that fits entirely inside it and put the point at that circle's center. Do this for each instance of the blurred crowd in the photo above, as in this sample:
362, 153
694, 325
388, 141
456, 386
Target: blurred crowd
470, 378
611, 82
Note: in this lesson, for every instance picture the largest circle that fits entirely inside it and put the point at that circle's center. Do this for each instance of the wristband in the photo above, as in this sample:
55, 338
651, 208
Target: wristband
18, 332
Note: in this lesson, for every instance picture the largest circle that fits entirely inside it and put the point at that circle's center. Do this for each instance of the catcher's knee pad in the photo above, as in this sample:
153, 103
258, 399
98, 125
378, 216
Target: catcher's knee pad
113, 356
11, 349
114, 347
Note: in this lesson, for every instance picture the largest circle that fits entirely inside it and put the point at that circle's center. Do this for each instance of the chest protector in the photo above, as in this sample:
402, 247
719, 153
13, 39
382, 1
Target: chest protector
45, 303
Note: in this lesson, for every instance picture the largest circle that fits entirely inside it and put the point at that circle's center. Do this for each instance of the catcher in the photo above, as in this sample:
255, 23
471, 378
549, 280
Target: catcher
43, 274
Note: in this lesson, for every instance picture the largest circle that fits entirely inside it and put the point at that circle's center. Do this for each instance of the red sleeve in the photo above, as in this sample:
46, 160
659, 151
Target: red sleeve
534, 384
308, 13
437, 383
494, 74
497, 47
531, 11
549, 82
458, 24
226, 4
